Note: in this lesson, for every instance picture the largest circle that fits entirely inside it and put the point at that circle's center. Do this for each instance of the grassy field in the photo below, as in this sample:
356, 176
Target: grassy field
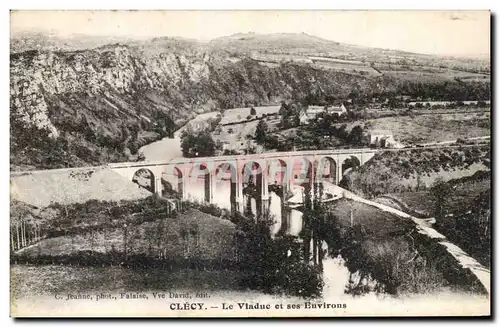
235, 136
377, 224
29, 280
430, 73
192, 234
73, 186
345, 66
239, 114
432, 128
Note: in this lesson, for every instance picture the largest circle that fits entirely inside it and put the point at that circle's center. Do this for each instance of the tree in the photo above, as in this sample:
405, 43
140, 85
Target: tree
213, 123
141, 156
253, 112
260, 132
92, 239
150, 236
420, 184
197, 144
163, 124
284, 108
356, 135
440, 193
125, 133
296, 119
481, 104
125, 238
250, 149
218, 145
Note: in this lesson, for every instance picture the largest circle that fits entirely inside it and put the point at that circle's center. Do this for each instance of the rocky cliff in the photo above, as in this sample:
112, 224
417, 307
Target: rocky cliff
73, 108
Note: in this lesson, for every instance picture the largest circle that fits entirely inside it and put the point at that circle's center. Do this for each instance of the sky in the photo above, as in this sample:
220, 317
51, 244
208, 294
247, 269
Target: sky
454, 33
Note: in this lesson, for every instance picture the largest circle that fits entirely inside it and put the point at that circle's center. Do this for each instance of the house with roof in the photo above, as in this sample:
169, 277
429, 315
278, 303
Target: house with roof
306, 115
312, 112
339, 111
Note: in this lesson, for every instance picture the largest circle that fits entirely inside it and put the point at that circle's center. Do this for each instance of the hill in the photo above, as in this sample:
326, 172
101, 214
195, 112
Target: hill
87, 106
43, 188
318, 49
462, 209
415, 169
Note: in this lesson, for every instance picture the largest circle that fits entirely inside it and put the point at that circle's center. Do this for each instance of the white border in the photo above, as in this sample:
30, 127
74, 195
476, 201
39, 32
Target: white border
186, 4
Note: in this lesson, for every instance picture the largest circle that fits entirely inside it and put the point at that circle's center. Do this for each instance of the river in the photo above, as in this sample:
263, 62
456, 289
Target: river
170, 148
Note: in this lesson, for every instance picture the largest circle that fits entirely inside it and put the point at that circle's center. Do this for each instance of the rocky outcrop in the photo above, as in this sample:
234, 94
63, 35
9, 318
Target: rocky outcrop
100, 98
37, 77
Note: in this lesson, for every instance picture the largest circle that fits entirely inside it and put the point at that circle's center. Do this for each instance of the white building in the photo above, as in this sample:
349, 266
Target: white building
339, 111
381, 138
313, 111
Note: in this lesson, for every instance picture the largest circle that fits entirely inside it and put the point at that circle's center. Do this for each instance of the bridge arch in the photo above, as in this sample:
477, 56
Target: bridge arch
201, 182
279, 191
352, 162
302, 172
145, 178
172, 182
255, 189
277, 172
226, 185
327, 170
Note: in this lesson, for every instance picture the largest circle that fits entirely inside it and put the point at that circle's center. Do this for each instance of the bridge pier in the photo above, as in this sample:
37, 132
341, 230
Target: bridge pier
285, 218
338, 173
210, 186
264, 211
157, 185
264, 191
239, 205
185, 182
287, 179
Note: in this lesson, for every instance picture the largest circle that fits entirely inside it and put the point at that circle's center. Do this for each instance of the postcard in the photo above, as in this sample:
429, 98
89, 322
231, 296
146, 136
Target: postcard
293, 163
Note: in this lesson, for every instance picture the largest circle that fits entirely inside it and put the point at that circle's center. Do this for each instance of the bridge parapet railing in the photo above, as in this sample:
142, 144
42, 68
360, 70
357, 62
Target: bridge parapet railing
267, 155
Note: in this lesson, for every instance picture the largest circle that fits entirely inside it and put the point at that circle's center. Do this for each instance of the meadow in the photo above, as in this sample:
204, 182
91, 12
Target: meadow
432, 127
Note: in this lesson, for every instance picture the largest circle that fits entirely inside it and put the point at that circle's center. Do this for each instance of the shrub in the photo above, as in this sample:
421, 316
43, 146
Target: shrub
392, 266
208, 208
277, 266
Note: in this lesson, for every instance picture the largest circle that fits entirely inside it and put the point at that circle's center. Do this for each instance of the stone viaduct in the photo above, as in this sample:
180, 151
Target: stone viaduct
257, 170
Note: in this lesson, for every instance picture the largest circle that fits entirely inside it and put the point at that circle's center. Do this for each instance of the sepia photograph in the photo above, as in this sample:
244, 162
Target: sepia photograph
239, 163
